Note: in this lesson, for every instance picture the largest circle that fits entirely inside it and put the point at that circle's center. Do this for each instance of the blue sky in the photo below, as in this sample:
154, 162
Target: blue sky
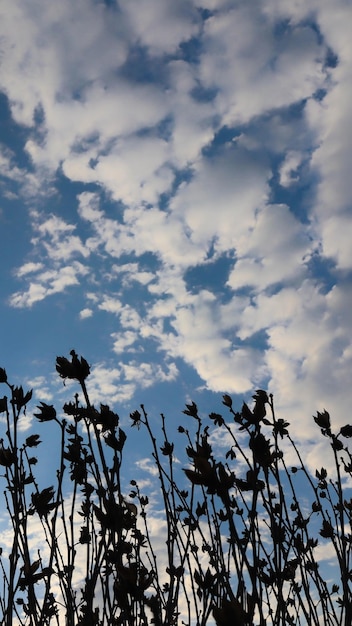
175, 200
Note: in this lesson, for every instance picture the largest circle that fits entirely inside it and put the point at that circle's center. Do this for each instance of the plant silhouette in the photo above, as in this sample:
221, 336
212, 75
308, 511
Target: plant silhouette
240, 546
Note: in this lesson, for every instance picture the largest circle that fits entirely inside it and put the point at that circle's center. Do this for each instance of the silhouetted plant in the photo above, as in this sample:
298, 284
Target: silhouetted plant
240, 540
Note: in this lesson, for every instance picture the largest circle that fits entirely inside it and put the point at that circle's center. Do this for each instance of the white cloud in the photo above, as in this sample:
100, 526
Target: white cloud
274, 74
309, 355
123, 342
275, 250
193, 121
25, 184
120, 383
222, 365
145, 230
135, 170
34, 293
28, 268
110, 304
142, 277
48, 283
336, 233
146, 374
185, 154
219, 203
61, 268
148, 466
288, 170
129, 317
56, 236
332, 122
47, 41
85, 313
183, 126
161, 25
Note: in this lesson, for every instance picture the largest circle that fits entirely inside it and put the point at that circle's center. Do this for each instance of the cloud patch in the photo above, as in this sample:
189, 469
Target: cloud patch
180, 134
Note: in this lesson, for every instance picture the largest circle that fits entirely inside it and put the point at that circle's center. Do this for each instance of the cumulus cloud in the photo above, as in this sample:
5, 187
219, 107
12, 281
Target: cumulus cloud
274, 251
288, 171
123, 342
16, 181
29, 268
219, 203
200, 227
281, 71
120, 383
85, 313
55, 235
47, 283
191, 133
162, 25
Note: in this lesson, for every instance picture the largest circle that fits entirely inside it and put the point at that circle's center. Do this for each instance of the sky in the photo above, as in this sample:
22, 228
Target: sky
175, 201
175, 204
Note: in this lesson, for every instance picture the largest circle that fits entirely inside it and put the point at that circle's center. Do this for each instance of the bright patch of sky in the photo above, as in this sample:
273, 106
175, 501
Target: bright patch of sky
176, 198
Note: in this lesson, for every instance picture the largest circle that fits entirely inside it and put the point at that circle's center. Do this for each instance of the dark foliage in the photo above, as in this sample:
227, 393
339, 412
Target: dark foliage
241, 542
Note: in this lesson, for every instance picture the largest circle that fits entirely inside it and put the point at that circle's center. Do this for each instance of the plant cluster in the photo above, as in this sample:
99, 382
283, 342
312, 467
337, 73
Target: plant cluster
241, 542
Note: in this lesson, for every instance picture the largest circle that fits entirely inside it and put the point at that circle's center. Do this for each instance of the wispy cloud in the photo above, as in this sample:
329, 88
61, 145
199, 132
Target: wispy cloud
47, 283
